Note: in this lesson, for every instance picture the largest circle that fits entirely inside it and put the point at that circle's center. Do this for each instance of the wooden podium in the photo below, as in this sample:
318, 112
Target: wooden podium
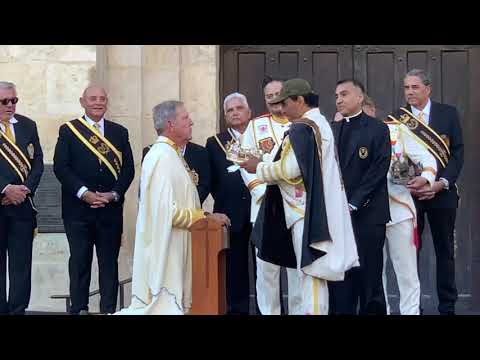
209, 242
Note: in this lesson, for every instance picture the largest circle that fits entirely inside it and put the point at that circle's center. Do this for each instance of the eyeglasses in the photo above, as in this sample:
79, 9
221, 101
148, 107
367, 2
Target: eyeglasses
6, 101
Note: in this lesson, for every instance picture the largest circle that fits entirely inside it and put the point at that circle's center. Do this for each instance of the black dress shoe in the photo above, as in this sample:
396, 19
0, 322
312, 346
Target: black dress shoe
448, 313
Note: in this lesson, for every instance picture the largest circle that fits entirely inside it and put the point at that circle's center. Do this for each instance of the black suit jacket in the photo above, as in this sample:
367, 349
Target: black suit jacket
228, 189
25, 134
75, 166
366, 179
196, 157
444, 119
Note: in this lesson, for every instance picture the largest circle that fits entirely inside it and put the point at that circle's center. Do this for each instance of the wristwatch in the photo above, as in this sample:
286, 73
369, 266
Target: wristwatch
116, 197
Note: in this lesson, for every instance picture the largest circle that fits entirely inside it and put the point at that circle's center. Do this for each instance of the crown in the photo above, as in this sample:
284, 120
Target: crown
238, 154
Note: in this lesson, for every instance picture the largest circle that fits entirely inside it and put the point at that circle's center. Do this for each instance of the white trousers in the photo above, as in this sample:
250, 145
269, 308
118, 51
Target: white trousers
268, 288
313, 290
403, 254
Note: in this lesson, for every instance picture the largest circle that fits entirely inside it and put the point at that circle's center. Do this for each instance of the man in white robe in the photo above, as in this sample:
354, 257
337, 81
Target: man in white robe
169, 205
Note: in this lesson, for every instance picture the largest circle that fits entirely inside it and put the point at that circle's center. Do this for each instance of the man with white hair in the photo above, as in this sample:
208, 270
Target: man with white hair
21, 167
169, 206
232, 197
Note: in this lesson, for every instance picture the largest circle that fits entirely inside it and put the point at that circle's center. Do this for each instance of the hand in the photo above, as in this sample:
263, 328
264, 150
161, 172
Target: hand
251, 165
416, 183
15, 194
426, 192
6, 201
94, 200
221, 218
103, 198
108, 196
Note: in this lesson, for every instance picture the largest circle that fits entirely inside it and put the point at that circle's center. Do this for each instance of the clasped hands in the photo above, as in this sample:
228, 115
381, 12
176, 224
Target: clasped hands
97, 199
420, 188
15, 194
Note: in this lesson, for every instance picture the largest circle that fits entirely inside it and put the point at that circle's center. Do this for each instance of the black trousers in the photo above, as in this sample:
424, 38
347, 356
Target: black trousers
442, 225
362, 284
16, 240
238, 284
82, 236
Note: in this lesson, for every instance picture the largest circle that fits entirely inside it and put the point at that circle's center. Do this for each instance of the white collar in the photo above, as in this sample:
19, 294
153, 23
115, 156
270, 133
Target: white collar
426, 109
91, 122
311, 112
13, 120
235, 133
347, 118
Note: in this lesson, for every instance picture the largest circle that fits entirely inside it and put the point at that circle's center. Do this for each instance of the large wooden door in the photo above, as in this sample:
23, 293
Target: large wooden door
455, 72
381, 69
244, 68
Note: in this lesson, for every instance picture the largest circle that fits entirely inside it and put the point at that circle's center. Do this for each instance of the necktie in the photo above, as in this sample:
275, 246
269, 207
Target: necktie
8, 132
421, 117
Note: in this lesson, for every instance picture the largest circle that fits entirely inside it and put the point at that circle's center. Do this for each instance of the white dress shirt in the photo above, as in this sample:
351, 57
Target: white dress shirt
426, 112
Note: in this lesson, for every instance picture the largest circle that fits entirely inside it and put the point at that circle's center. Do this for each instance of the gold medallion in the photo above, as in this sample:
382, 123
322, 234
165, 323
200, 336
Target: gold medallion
194, 176
94, 139
363, 152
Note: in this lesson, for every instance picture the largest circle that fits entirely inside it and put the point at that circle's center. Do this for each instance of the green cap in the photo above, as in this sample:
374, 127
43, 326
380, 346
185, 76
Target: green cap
297, 87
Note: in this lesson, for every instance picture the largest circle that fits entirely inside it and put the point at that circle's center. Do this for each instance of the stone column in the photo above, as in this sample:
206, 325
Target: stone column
120, 72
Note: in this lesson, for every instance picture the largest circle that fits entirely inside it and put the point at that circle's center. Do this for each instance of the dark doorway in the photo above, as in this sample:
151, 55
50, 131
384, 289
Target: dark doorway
455, 72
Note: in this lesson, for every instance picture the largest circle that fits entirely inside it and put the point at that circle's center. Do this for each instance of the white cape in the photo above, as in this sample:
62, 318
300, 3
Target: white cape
342, 250
162, 263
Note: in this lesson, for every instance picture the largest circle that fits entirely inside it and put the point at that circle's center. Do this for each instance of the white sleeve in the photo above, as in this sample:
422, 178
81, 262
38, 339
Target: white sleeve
255, 186
286, 169
82, 191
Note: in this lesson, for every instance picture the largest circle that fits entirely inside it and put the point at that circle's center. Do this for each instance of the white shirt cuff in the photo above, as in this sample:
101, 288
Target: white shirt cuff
447, 184
5, 188
82, 191
429, 177
352, 207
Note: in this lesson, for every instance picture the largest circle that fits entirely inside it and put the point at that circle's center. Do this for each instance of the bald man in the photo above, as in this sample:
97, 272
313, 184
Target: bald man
93, 162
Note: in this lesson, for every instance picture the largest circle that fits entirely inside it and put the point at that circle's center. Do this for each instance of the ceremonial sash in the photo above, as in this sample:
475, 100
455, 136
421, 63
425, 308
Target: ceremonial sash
97, 144
426, 135
14, 157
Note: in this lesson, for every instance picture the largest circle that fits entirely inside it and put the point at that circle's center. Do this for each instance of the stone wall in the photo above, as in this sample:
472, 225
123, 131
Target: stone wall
50, 80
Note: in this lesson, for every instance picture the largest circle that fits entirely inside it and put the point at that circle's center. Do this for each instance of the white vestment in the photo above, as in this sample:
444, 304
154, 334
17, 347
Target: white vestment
341, 252
162, 263
399, 233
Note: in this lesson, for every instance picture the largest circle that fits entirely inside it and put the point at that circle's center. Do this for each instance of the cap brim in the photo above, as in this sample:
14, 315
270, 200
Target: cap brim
277, 100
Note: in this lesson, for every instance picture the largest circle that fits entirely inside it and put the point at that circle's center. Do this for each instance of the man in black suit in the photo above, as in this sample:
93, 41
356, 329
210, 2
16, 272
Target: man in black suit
93, 162
363, 144
439, 202
232, 198
21, 167
196, 157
